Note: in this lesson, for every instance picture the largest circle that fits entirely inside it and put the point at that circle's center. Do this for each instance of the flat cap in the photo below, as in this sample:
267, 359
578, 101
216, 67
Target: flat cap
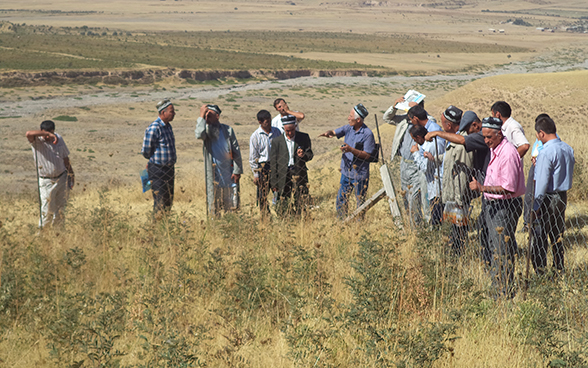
361, 110
453, 114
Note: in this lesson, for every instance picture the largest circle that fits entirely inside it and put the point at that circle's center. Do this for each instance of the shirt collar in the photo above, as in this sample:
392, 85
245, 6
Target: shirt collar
500, 146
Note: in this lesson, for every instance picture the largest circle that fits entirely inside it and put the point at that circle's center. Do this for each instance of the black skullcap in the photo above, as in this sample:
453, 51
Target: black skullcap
214, 108
492, 123
467, 118
163, 104
453, 114
361, 110
288, 119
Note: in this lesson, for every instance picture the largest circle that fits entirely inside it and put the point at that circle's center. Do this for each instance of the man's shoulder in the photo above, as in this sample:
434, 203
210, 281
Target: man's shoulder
303, 135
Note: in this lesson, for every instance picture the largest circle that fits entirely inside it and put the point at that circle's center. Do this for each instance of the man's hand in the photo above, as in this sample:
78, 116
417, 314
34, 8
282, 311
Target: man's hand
203, 111
534, 160
328, 134
300, 152
256, 180
345, 148
414, 148
474, 185
235, 178
399, 100
428, 156
429, 137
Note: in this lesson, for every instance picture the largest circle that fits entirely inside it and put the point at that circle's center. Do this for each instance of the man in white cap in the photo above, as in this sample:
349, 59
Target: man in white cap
53, 171
159, 147
288, 172
222, 161
357, 150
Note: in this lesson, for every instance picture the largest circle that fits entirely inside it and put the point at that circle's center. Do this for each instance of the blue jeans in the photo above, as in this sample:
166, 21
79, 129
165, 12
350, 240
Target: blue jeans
359, 186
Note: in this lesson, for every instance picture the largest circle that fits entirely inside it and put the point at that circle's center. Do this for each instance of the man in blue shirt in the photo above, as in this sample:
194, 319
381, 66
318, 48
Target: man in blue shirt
355, 165
159, 147
554, 170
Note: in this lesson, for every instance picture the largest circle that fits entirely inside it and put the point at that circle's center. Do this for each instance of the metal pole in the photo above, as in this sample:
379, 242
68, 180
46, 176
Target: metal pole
438, 170
379, 140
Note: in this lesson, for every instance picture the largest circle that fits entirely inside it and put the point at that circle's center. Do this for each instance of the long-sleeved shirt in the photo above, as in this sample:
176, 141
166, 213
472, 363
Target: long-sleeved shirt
505, 170
554, 169
429, 168
513, 131
259, 147
50, 156
159, 143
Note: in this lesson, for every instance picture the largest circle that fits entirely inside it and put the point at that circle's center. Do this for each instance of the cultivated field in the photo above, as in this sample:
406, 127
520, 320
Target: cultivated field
114, 289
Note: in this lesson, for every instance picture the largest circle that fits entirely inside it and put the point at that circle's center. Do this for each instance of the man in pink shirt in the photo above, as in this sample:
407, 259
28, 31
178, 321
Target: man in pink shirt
503, 187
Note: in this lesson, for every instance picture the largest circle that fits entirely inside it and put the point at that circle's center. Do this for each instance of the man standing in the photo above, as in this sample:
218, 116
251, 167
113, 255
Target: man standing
503, 187
259, 157
427, 158
511, 129
355, 165
553, 178
457, 164
159, 147
410, 176
288, 172
222, 160
282, 107
53, 171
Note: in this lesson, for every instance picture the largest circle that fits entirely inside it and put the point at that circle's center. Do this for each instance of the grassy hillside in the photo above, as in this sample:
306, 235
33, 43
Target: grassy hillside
113, 289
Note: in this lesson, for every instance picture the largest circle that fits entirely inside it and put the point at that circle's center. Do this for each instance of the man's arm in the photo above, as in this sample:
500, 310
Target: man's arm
475, 185
148, 143
299, 115
32, 134
70, 172
236, 155
254, 156
522, 149
451, 137
308, 154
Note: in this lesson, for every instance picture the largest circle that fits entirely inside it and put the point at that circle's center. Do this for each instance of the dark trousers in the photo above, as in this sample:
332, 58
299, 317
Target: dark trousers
263, 188
549, 227
485, 251
162, 186
347, 185
529, 194
297, 187
502, 216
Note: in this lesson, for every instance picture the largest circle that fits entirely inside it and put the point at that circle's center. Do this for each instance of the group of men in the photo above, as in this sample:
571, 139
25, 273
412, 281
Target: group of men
441, 170
470, 157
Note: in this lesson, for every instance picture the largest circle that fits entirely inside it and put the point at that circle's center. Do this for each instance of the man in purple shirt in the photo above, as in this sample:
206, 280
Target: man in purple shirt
503, 187
355, 165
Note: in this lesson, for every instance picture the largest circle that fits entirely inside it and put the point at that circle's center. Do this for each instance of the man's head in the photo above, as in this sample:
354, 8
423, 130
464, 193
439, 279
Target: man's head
501, 110
289, 126
166, 110
417, 115
213, 113
418, 133
265, 120
281, 105
48, 126
356, 116
492, 131
545, 129
470, 123
450, 119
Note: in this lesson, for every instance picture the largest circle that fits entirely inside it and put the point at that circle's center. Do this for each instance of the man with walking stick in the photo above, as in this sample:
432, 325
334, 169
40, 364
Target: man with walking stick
55, 175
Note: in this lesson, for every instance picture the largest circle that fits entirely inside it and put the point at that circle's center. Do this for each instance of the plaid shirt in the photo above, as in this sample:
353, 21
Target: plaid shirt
159, 144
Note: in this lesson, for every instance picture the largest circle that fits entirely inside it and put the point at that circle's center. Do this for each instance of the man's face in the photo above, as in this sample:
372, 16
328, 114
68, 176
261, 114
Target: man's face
211, 117
282, 107
265, 124
475, 127
352, 120
168, 114
492, 137
290, 130
447, 125
419, 140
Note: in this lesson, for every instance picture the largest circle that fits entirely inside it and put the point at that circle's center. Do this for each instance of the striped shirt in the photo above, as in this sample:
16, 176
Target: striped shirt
50, 156
259, 147
159, 144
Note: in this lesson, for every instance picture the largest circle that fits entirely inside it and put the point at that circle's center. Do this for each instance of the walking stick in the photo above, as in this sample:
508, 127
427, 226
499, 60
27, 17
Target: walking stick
39, 190
379, 140
531, 221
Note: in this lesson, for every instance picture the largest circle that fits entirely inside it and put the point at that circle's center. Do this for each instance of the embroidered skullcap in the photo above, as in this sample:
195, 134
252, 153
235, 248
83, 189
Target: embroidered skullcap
453, 114
361, 110
467, 118
288, 119
492, 123
163, 104
214, 108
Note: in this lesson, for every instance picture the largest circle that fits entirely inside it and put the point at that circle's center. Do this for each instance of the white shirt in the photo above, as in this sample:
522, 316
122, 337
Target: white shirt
277, 122
514, 133
259, 147
50, 156
290, 144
